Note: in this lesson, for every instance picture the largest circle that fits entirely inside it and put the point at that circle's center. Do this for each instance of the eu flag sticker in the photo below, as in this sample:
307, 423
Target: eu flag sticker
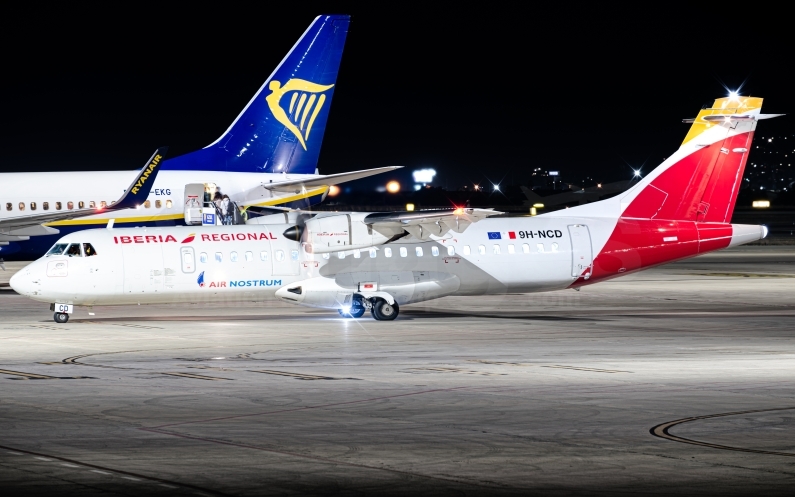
493, 235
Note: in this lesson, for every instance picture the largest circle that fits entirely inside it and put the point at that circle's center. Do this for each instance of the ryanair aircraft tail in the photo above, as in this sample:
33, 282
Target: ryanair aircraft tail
282, 127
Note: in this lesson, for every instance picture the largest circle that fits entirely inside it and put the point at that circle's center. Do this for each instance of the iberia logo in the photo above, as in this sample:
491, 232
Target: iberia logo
200, 281
189, 238
304, 106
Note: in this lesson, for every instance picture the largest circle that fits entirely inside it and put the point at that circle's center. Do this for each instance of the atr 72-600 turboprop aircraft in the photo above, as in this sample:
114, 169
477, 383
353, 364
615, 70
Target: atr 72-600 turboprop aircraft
267, 157
380, 261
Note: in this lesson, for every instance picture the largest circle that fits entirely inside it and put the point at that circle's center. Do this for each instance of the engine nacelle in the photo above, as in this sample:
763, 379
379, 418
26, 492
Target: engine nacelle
333, 233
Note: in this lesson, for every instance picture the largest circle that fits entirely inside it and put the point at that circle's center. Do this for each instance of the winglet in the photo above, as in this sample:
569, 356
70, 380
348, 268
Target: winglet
138, 191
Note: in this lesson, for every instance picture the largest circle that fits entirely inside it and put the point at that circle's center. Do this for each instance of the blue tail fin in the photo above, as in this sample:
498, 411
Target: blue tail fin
282, 127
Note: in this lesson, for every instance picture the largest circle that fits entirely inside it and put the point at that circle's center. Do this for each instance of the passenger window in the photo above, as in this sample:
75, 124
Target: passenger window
356, 254
435, 251
103, 204
45, 206
203, 257
554, 247
467, 250
525, 248
33, 206
327, 256
188, 260
219, 257
147, 204
92, 205
9, 206
74, 250
57, 206
158, 204
58, 249
450, 250
280, 255
81, 204
403, 252
540, 247
418, 251
511, 249
88, 249
387, 252
263, 256
294, 255
168, 204
233, 257
373, 253
249, 256
340, 255
496, 249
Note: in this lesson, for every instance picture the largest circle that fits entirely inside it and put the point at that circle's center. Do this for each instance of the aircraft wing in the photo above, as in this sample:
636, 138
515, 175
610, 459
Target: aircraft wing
423, 224
134, 195
295, 186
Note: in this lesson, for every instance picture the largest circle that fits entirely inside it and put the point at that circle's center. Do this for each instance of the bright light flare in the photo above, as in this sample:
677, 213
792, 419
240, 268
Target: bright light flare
637, 173
496, 188
424, 175
333, 191
393, 187
733, 95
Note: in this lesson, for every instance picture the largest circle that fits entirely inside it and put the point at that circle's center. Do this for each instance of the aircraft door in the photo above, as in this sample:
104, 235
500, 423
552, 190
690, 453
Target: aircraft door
581, 251
194, 198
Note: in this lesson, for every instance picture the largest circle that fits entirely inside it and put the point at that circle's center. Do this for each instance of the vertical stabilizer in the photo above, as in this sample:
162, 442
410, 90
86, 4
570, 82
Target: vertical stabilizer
700, 182
281, 129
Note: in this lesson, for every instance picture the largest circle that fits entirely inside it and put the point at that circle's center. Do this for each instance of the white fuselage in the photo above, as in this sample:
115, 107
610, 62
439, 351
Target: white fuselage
160, 265
35, 193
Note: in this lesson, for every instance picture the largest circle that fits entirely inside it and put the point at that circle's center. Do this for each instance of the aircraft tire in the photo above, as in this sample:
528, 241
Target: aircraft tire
61, 317
355, 312
383, 311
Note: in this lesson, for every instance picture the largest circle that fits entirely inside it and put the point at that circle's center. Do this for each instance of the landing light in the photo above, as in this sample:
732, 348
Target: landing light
732, 94
538, 206
496, 188
333, 190
458, 211
409, 207
637, 173
760, 204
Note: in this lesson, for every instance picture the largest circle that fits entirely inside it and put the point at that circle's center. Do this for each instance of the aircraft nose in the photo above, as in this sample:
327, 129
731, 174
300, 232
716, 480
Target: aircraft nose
24, 282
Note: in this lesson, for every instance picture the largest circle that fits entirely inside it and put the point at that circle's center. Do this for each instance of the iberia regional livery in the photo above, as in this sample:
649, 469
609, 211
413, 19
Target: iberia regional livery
354, 262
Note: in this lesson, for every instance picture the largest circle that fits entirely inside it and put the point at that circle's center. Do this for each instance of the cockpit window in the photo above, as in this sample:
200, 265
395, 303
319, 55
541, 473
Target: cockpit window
74, 250
88, 249
57, 249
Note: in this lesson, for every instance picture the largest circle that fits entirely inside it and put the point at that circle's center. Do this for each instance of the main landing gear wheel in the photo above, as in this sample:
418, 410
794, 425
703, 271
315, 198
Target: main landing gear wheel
354, 312
384, 311
61, 317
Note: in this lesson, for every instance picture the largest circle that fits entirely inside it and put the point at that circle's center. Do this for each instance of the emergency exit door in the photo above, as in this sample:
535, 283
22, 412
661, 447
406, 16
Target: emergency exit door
581, 251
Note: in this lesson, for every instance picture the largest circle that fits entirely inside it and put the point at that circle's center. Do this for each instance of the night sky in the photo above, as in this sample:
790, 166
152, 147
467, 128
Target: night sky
492, 92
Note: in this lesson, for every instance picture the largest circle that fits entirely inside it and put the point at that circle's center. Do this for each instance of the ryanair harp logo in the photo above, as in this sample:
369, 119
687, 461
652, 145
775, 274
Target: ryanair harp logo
305, 103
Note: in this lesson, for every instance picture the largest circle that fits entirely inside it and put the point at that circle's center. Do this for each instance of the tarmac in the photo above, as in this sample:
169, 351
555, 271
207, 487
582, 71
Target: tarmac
676, 380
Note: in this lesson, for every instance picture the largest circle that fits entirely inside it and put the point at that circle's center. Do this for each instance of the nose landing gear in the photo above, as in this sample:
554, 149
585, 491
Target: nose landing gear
61, 317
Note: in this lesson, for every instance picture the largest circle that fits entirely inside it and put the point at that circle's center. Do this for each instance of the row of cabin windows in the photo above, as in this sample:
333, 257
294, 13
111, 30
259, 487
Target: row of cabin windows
278, 256
466, 250
45, 206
